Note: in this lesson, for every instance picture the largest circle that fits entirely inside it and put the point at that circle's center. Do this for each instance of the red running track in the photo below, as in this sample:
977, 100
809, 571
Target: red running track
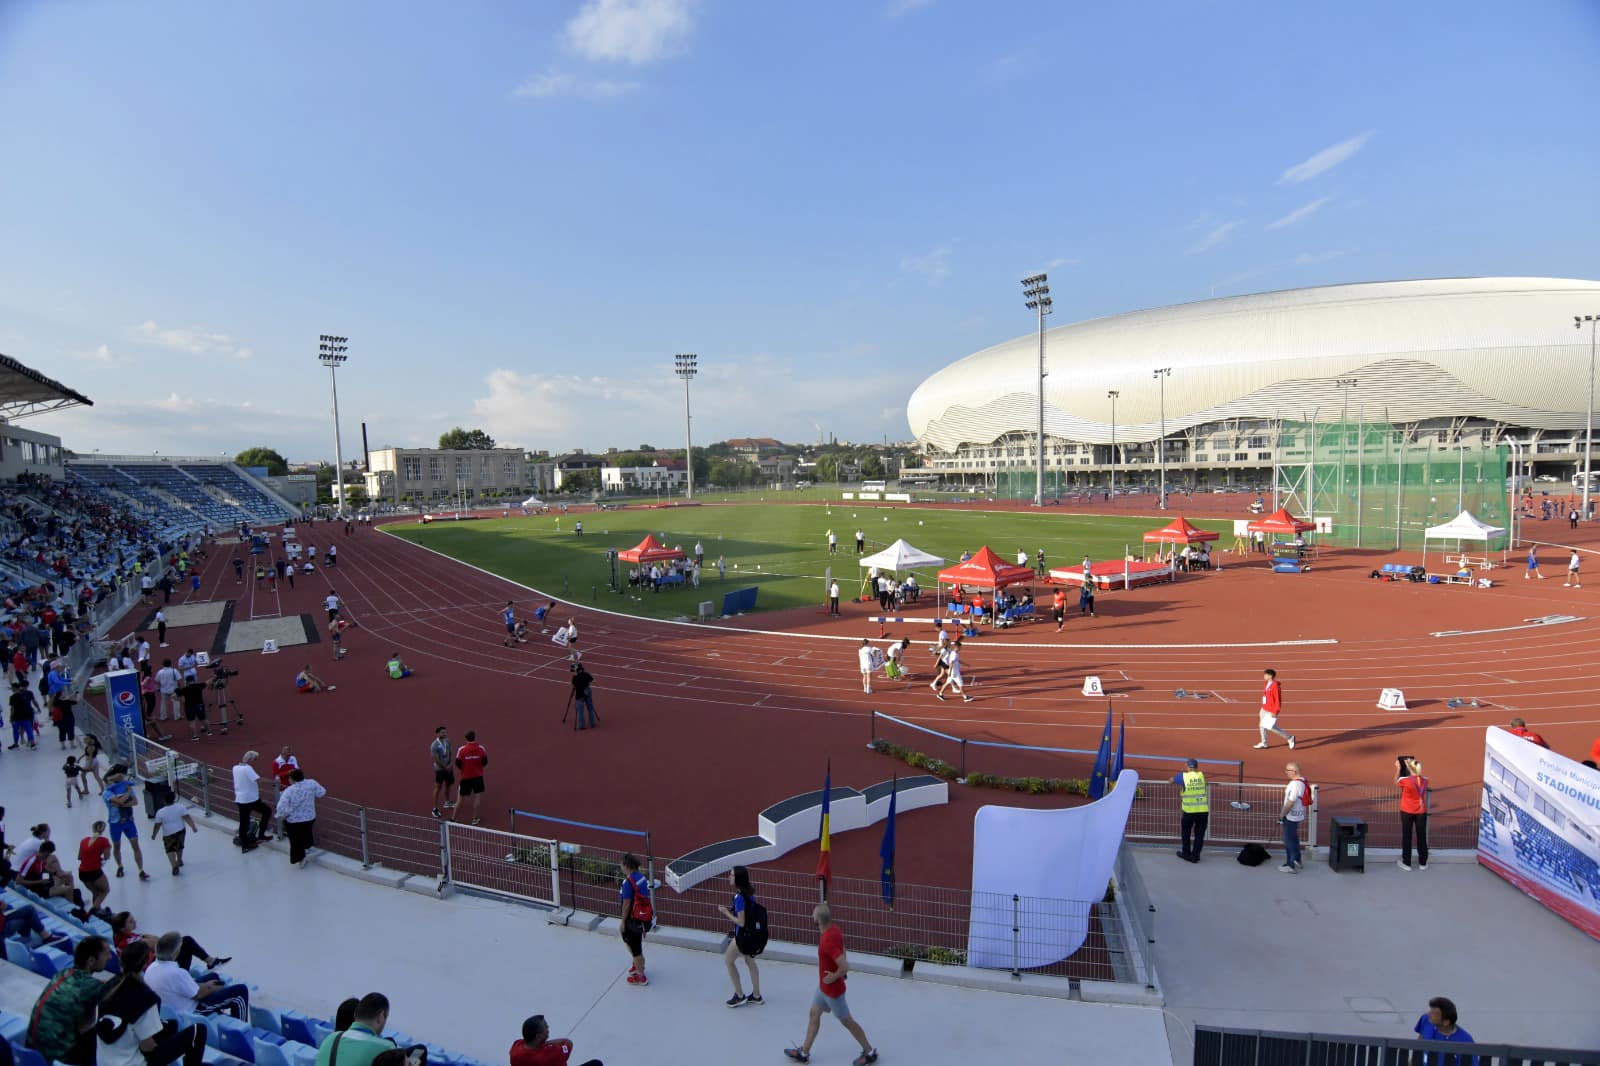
702, 727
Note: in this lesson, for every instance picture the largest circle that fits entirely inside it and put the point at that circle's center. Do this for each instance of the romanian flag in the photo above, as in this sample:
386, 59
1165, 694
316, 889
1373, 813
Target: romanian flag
1102, 762
825, 860
886, 849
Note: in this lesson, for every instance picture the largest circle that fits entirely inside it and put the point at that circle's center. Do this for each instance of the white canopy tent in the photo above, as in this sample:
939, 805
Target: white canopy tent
901, 556
1463, 527
532, 503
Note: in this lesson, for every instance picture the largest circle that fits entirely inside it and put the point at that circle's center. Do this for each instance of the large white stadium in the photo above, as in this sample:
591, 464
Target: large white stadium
1436, 358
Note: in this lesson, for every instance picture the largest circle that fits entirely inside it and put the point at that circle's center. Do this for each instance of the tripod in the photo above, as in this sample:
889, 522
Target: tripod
220, 687
570, 696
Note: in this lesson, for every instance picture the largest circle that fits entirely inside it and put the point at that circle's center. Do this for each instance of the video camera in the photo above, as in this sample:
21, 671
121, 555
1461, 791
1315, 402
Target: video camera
220, 673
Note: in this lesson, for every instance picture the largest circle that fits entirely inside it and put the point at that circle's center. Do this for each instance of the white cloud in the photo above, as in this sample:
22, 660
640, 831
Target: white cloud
934, 266
1213, 237
1063, 261
1300, 214
1310, 258
188, 424
554, 83
905, 7
1324, 160
195, 341
101, 355
630, 31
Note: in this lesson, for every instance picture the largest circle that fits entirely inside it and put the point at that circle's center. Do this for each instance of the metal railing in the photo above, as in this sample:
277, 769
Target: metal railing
1248, 1047
1241, 812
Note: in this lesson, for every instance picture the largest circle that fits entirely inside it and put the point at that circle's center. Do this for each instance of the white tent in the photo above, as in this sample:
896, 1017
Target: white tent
532, 503
902, 556
1463, 527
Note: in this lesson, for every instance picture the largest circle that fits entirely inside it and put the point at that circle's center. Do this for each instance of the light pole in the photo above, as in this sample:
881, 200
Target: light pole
331, 353
1037, 291
1161, 376
1344, 385
686, 367
1112, 396
1588, 426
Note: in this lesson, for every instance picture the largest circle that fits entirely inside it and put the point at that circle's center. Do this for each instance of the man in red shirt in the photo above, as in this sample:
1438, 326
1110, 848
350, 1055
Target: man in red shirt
1271, 706
834, 967
537, 1049
471, 760
1519, 728
1058, 607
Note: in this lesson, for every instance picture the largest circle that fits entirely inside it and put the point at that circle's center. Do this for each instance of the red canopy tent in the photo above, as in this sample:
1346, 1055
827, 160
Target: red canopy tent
1179, 531
649, 550
986, 570
1280, 522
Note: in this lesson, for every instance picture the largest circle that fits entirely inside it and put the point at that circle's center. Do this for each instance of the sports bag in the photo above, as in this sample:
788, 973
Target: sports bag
643, 910
752, 935
1252, 855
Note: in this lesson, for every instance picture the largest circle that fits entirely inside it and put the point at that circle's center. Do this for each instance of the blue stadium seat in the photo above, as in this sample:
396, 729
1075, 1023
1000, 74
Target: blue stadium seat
297, 1027
268, 1054
300, 1054
266, 1018
19, 953
232, 1036
13, 1027
24, 1055
50, 961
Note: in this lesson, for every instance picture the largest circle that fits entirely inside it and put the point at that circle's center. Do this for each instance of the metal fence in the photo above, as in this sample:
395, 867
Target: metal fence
1241, 812
1247, 1047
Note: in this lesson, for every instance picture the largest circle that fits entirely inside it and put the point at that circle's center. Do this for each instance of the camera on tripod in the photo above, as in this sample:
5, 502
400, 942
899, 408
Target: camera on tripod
220, 673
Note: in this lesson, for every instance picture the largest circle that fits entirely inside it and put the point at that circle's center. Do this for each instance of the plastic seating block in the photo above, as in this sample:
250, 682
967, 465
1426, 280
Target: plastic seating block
296, 1027
267, 1019
19, 953
270, 1054
13, 1027
300, 1054
233, 1037
25, 1056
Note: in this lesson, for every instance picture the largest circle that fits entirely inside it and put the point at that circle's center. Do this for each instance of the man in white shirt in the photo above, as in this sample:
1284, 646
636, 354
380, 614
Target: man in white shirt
833, 599
332, 604
161, 626
1296, 801
167, 681
865, 657
142, 653
247, 795
174, 822
181, 992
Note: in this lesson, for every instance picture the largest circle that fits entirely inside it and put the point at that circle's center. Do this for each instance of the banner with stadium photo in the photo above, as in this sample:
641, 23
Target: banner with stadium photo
1539, 826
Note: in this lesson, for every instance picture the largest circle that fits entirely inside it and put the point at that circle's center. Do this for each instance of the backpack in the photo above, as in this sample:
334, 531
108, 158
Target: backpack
752, 935
1252, 855
643, 910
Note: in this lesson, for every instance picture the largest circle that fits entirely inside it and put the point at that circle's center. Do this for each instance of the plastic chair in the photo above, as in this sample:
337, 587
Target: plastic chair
269, 1054
266, 1018
19, 953
296, 1027
48, 962
300, 1054
25, 1056
233, 1037
13, 1027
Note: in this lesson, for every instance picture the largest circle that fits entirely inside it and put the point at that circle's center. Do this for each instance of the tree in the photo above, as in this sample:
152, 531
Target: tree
355, 494
579, 480
470, 439
276, 464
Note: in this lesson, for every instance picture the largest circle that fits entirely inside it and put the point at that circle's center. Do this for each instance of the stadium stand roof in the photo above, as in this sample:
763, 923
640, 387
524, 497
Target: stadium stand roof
24, 391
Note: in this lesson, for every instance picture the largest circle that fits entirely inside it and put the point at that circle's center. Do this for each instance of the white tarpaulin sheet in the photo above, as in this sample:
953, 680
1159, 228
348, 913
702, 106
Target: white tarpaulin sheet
1539, 824
1058, 861
902, 556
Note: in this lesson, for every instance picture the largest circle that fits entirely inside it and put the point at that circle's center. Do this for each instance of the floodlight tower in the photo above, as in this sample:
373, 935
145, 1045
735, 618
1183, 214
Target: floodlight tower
331, 353
1036, 289
1588, 425
1112, 396
1161, 376
686, 367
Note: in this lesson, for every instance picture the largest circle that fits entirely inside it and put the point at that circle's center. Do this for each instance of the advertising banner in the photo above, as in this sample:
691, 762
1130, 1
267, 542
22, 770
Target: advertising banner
122, 709
1539, 826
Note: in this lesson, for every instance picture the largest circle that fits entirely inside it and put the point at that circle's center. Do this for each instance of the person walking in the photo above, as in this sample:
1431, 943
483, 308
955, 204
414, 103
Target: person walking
1413, 811
472, 759
168, 679
254, 815
1296, 804
1058, 608
1533, 564
638, 915
509, 617
24, 709
161, 627
93, 850
743, 934
1195, 802
331, 603
297, 810
174, 822
583, 698
1572, 518
119, 800
834, 967
833, 602
1271, 707
1086, 600
699, 554
1573, 562
868, 663
833, 543
953, 678
861, 542
444, 772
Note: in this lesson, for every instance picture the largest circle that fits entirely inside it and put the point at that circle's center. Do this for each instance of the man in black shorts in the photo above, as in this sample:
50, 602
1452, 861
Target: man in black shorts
444, 772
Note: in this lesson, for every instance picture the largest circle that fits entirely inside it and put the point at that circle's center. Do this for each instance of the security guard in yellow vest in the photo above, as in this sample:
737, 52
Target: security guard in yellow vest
1196, 811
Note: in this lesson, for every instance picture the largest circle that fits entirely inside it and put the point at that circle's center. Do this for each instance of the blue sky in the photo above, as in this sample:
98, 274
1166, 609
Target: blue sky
519, 212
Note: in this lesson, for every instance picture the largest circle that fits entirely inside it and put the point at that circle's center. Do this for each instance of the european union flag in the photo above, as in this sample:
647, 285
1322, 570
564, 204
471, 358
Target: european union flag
886, 849
1102, 762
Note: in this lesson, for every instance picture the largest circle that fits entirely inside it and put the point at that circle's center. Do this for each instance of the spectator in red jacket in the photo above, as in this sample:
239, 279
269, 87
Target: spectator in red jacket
1594, 750
1519, 728
537, 1049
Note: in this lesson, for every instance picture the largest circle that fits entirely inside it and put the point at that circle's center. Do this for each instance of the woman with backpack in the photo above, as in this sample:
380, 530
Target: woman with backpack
638, 915
749, 937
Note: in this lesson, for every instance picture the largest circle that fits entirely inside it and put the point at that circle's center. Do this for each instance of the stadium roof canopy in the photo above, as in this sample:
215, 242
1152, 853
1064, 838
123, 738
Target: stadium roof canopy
24, 391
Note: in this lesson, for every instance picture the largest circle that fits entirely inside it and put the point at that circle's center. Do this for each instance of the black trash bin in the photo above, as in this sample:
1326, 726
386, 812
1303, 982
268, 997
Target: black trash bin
1347, 850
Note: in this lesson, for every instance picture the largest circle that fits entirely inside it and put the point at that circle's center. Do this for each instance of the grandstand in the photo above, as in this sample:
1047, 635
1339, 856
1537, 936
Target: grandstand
188, 492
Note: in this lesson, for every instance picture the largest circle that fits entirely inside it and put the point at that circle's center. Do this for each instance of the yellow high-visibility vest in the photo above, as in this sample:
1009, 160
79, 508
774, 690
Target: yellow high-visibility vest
1195, 800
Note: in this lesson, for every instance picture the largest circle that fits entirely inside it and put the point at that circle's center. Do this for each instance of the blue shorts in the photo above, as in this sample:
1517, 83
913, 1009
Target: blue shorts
125, 828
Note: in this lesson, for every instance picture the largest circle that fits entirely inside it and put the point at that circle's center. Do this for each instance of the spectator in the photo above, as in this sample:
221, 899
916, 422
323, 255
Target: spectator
1518, 728
1440, 1024
24, 709
638, 914
537, 1049
444, 774
93, 850
583, 697
297, 810
174, 822
1413, 811
37, 835
61, 1024
472, 759
22, 919
1296, 805
118, 795
829, 997
344, 1016
739, 877
254, 815
284, 765
130, 1027
363, 1041
94, 763
125, 930
180, 991
168, 678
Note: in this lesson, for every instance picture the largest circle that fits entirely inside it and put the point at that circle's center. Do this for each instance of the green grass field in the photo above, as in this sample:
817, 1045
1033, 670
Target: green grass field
783, 550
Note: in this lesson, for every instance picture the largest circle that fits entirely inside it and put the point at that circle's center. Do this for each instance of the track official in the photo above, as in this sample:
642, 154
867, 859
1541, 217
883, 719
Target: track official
1196, 811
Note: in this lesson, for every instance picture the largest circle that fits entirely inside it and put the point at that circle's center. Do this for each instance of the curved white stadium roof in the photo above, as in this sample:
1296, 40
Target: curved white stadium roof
1496, 348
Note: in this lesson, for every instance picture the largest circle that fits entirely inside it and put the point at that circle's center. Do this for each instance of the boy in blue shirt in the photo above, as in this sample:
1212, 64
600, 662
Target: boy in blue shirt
1440, 1024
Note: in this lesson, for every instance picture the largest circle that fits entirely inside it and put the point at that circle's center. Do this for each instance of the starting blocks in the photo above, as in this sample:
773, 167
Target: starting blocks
1184, 695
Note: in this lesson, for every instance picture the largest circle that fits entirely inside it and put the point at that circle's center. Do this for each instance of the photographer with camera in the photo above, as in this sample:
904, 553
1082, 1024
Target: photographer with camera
1413, 810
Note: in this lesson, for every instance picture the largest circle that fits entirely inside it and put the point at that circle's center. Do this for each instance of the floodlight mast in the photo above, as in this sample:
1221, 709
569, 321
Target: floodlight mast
1036, 291
331, 352
686, 366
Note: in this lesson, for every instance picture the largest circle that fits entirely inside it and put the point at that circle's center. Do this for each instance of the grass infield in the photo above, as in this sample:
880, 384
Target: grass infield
782, 550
